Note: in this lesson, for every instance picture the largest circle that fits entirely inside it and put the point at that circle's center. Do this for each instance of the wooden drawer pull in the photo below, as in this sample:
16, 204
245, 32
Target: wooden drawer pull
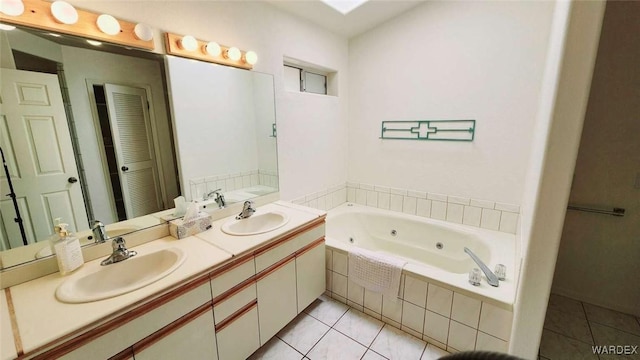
245, 309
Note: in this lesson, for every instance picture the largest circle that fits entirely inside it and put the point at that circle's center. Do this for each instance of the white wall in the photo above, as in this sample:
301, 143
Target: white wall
599, 253
566, 82
450, 60
80, 65
311, 129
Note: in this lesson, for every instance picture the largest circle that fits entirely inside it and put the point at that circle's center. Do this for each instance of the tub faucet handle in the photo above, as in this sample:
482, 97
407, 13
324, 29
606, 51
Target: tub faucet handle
492, 279
500, 271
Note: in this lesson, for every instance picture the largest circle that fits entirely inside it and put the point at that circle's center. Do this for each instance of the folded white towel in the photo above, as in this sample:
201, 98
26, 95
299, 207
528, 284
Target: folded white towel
376, 271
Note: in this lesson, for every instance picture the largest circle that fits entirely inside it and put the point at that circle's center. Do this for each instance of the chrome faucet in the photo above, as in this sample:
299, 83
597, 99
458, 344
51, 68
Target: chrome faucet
99, 233
219, 197
220, 200
247, 210
120, 252
492, 279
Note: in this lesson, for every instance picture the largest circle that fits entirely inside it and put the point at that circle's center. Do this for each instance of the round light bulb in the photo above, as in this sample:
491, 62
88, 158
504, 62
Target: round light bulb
233, 53
213, 49
143, 32
108, 24
7, 27
94, 43
251, 57
64, 12
11, 7
189, 43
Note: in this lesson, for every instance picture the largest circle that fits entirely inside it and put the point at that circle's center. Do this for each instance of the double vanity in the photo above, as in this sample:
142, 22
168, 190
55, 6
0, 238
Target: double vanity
220, 294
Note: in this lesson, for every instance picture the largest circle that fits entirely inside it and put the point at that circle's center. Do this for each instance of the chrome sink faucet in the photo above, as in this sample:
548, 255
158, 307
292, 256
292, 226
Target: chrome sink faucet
492, 279
219, 197
120, 252
247, 210
99, 233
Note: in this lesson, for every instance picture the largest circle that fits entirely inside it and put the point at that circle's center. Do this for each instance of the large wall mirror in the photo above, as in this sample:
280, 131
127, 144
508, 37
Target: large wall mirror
101, 132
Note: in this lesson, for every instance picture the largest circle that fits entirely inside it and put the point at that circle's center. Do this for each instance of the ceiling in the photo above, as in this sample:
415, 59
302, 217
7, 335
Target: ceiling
365, 17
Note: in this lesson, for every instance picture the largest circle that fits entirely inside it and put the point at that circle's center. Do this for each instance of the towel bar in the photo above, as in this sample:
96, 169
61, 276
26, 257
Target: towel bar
615, 212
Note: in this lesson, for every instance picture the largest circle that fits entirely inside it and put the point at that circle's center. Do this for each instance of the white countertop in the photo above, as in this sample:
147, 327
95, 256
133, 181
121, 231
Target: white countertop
42, 318
237, 245
7, 346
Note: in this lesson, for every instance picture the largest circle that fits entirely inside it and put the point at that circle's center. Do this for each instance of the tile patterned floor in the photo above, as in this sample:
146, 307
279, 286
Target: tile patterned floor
328, 329
572, 327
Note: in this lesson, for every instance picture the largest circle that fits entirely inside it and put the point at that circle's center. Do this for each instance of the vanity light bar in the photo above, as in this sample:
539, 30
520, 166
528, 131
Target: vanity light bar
61, 17
184, 46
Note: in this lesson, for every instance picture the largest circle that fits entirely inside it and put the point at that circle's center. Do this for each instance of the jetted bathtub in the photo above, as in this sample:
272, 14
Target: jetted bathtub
433, 249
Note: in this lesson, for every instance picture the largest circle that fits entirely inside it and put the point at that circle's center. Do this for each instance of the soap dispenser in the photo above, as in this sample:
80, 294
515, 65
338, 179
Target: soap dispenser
67, 248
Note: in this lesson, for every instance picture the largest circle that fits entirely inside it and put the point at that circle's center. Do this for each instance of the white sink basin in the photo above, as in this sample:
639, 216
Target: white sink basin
256, 224
120, 278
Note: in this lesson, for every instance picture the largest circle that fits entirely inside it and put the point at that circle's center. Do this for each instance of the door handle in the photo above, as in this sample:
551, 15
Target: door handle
124, 168
72, 180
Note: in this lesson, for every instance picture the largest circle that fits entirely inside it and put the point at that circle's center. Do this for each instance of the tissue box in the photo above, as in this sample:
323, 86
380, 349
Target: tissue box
181, 229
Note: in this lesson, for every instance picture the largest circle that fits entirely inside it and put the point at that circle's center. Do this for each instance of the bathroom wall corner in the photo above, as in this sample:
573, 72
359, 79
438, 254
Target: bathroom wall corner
566, 84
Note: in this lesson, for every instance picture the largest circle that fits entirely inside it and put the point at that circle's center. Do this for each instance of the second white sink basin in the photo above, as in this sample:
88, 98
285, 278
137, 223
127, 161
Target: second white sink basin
256, 224
120, 278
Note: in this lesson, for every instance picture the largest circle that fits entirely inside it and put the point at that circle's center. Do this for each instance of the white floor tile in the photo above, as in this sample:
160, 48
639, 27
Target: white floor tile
433, 353
359, 326
372, 355
326, 310
568, 325
396, 344
275, 349
554, 346
335, 345
303, 332
612, 318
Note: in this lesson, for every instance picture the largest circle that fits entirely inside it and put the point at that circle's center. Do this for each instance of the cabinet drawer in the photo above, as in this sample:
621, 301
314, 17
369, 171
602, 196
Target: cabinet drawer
225, 307
124, 332
224, 279
193, 339
271, 255
239, 338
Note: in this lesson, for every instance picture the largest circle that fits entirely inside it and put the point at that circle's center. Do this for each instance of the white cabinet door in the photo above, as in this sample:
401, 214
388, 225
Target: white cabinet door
194, 340
238, 338
276, 298
310, 275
